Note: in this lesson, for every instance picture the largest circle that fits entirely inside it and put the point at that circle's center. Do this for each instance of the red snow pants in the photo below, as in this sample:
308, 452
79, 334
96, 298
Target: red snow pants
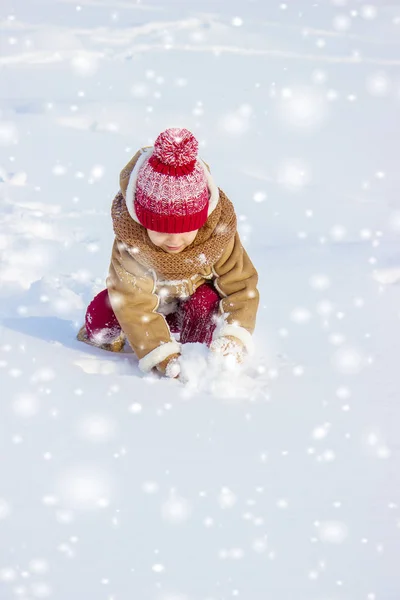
194, 318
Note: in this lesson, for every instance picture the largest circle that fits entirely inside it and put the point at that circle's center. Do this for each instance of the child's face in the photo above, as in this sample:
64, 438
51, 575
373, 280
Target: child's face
173, 243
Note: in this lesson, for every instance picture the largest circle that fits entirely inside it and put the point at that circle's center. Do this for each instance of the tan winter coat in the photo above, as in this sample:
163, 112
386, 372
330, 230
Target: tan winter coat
144, 282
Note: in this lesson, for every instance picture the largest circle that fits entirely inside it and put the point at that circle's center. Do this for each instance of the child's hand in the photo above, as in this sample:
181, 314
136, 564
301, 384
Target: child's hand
229, 346
170, 366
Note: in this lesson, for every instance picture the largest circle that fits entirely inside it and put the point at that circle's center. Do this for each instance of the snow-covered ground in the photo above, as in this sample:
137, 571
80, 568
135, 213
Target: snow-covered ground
282, 482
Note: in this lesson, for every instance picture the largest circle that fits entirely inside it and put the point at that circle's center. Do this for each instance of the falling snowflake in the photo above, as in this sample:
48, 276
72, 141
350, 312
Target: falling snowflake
300, 315
369, 12
84, 487
378, 84
176, 509
84, 64
341, 23
237, 122
226, 498
348, 361
8, 133
304, 108
97, 428
5, 509
332, 532
26, 405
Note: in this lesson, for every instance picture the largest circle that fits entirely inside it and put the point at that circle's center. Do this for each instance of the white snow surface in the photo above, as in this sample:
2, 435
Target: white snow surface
280, 480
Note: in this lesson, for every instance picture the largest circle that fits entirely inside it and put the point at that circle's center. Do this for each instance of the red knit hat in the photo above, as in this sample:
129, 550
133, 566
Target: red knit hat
172, 192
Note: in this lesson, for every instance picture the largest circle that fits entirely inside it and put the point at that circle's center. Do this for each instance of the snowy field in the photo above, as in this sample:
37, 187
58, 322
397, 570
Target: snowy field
278, 483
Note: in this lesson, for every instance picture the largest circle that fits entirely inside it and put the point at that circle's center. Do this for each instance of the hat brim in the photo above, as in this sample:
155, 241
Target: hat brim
170, 223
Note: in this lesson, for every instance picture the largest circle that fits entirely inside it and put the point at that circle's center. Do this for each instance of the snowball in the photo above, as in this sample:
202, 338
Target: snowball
97, 428
176, 509
332, 532
226, 498
83, 487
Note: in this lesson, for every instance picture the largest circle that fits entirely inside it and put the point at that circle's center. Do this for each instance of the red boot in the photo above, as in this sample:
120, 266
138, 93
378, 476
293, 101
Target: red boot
101, 327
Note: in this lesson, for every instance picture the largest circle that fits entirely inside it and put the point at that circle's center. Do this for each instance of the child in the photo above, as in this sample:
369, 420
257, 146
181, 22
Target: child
177, 264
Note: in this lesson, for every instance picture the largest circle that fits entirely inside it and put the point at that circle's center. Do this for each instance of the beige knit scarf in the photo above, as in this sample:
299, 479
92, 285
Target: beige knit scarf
206, 249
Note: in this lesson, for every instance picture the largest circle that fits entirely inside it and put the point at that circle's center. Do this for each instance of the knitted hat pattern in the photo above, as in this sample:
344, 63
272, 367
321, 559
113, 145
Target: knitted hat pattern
172, 194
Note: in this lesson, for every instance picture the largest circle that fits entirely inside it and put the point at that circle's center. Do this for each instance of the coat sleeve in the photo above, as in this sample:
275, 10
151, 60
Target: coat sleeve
236, 281
134, 302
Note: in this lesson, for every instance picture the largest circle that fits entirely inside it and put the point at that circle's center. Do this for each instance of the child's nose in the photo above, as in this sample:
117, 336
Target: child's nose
173, 240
